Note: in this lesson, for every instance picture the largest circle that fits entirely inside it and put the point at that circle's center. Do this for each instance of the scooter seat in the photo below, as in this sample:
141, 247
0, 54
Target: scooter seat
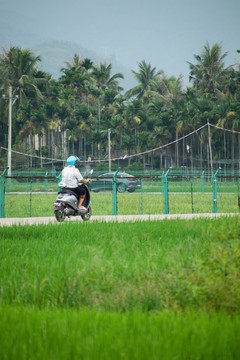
68, 191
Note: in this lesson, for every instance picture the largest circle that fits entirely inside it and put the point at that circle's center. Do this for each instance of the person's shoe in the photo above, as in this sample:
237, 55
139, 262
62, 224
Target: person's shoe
82, 208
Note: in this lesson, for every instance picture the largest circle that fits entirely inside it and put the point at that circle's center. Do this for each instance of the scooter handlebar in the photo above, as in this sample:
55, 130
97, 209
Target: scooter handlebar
85, 182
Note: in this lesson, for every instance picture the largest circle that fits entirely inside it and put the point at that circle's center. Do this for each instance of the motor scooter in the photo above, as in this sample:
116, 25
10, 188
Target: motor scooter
66, 203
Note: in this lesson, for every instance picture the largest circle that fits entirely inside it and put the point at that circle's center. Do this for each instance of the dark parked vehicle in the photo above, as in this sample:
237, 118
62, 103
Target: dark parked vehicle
125, 182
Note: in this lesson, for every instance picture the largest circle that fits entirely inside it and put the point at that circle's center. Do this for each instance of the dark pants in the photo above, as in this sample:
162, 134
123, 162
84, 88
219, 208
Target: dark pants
80, 191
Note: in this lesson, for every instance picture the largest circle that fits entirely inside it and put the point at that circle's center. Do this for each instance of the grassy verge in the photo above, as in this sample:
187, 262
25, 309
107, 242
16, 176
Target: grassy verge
25, 205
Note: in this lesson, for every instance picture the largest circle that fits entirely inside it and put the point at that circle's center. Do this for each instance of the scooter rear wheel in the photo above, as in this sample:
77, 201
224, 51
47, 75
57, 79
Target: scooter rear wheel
60, 215
88, 214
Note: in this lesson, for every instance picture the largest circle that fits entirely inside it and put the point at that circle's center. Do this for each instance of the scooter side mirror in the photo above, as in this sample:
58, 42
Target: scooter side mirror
91, 171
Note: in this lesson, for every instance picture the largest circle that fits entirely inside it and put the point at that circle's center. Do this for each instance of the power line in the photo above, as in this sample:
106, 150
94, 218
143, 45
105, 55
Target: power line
30, 155
126, 156
171, 143
221, 128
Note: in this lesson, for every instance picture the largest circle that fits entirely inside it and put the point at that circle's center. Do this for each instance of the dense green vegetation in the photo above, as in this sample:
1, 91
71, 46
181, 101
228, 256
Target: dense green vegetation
127, 291
68, 114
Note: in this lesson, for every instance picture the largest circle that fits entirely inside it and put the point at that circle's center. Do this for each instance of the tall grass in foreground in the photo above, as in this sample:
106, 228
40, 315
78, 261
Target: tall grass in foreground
68, 334
123, 266
151, 290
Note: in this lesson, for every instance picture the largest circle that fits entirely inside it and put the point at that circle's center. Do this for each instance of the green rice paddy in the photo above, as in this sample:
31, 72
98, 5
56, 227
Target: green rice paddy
146, 290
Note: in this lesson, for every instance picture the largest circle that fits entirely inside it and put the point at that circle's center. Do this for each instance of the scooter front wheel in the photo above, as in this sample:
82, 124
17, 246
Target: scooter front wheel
87, 215
60, 215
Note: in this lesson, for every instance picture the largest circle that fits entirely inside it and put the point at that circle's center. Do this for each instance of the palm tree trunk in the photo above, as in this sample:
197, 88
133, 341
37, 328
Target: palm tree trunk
176, 154
238, 153
233, 153
49, 142
52, 143
85, 147
40, 148
30, 148
99, 114
207, 157
183, 147
225, 152
200, 153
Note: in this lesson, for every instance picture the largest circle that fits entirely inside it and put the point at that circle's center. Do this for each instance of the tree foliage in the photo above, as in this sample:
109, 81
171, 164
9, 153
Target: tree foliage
72, 114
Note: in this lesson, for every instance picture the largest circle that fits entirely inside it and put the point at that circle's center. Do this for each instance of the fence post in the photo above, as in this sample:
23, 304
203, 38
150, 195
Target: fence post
166, 207
215, 191
59, 178
2, 193
114, 192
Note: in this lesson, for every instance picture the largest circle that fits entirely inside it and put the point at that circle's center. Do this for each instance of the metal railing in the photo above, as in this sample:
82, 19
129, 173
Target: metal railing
170, 192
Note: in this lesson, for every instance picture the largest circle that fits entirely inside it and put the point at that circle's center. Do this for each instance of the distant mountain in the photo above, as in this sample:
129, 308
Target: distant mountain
16, 30
54, 54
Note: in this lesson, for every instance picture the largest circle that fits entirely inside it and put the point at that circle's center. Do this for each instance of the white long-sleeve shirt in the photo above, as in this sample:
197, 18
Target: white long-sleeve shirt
71, 177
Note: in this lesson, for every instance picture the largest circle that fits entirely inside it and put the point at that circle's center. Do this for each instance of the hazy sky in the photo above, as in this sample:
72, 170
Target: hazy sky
166, 33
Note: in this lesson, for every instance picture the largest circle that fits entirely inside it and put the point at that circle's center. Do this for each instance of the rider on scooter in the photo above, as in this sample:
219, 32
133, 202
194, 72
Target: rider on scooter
71, 177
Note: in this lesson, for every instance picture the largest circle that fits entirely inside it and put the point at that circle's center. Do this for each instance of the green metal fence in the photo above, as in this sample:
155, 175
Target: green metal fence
176, 191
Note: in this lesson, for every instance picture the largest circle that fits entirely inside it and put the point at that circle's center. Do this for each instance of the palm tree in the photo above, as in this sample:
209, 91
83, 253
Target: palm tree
168, 89
167, 100
209, 74
146, 78
18, 69
103, 79
133, 116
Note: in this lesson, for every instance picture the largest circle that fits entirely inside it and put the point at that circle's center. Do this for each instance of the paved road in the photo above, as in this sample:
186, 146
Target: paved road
108, 218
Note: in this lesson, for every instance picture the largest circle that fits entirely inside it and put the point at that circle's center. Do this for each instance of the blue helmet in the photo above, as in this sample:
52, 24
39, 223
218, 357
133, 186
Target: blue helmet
71, 160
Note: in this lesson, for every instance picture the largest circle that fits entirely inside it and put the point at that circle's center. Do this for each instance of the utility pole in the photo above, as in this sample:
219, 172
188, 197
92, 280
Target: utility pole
10, 132
109, 150
210, 148
11, 103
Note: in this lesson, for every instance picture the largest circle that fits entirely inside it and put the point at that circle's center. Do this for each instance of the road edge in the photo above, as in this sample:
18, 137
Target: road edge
107, 218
